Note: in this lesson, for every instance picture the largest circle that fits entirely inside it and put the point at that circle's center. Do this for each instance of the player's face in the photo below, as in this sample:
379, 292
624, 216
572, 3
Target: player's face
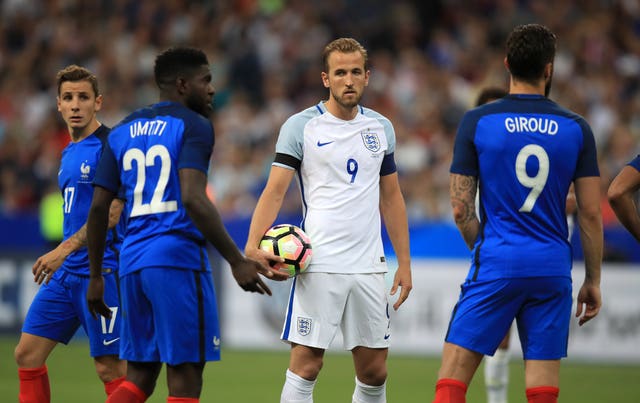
78, 104
346, 78
199, 94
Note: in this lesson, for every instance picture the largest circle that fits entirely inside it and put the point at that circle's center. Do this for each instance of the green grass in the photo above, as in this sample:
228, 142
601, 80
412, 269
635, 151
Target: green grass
252, 376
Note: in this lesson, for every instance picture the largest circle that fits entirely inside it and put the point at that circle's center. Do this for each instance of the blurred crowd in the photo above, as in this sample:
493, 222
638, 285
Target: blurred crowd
429, 60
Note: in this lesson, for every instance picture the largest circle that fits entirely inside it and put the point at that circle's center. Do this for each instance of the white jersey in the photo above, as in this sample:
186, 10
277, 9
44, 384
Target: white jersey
339, 179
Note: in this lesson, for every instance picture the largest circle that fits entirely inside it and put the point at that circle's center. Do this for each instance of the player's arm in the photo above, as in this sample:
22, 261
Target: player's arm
50, 262
206, 218
462, 192
587, 191
97, 227
266, 212
394, 212
621, 198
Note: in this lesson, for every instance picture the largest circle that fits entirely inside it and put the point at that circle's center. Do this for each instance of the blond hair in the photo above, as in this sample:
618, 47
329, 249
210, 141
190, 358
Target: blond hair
344, 45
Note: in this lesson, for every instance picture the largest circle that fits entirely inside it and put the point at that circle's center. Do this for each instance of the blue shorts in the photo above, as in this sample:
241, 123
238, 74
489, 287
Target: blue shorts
541, 307
171, 316
60, 308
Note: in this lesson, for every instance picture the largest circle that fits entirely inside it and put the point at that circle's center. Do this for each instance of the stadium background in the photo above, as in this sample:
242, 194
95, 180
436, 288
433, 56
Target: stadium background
429, 59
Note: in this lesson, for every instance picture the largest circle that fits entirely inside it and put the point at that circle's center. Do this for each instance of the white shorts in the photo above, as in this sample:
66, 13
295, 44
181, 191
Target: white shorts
320, 302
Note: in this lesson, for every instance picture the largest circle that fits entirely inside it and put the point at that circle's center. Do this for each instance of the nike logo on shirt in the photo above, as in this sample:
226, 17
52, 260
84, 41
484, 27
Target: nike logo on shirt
107, 342
320, 144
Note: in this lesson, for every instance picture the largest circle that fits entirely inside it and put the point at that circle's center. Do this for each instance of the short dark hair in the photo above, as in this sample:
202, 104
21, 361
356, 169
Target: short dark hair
177, 62
490, 94
75, 73
529, 48
344, 45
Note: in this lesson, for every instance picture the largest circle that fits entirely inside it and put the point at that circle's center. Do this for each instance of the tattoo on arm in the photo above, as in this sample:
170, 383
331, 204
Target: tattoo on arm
463, 197
462, 191
79, 239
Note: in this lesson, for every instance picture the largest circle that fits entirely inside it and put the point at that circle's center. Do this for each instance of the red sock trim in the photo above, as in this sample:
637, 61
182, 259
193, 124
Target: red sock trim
172, 399
131, 387
543, 394
112, 385
450, 391
31, 373
451, 383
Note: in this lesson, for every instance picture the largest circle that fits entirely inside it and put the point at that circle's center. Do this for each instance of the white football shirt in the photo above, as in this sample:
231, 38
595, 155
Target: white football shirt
339, 180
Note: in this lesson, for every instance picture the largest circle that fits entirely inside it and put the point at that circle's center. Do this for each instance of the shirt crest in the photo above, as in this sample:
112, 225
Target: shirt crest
304, 326
371, 140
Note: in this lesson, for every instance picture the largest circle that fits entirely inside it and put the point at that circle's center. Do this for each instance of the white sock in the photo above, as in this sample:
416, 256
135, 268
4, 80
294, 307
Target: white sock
296, 389
496, 376
364, 393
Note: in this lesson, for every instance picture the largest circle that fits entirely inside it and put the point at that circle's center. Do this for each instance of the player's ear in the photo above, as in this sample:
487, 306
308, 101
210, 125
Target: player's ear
98, 103
181, 85
506, 64
548, 71
325, 79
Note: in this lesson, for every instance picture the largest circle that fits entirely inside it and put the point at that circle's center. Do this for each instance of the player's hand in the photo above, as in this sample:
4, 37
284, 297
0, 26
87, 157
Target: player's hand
270, 262
590, 297
402, 279
95, 298
46, 265
246, 274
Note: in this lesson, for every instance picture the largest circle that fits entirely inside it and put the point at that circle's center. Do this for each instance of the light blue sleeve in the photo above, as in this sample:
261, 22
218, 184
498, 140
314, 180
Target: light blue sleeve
389, 132
291, 137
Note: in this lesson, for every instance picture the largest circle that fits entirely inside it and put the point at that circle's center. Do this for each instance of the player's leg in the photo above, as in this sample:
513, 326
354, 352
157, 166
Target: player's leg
184, 382
542, 380
458, 366
139, 383
543, 326
310, 327
496, 373
366, 331
304, 366
111, 370
371, 374
480, 319
31, 354
50, 320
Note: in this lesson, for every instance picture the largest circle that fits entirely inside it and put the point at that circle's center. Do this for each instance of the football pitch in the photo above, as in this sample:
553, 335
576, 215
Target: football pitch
257, 376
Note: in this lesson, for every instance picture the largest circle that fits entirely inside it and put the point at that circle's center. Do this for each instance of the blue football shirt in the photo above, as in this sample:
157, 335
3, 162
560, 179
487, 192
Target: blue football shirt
77, 169
525, 151
144, 153
635, 163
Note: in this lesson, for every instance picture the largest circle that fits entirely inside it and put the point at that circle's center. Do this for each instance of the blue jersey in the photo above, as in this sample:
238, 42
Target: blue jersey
143, 155
525, 151
77, 170
635, 163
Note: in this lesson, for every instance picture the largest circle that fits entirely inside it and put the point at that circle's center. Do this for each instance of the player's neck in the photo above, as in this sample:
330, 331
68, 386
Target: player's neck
521, 87
80, 133
341, 112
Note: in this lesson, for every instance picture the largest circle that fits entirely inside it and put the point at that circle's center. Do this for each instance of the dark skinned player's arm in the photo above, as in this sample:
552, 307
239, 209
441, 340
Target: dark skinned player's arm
97, 226
204, 214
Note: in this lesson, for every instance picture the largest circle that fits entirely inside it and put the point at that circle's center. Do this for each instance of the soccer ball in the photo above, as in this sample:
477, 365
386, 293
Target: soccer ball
291, 243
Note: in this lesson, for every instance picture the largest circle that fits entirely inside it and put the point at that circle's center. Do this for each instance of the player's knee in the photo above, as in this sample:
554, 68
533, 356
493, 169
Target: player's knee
109, 368
373, 375
308, 370
26, 358
20, 355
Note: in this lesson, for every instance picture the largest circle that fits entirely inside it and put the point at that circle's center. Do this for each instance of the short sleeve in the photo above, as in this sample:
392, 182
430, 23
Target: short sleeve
197, 145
